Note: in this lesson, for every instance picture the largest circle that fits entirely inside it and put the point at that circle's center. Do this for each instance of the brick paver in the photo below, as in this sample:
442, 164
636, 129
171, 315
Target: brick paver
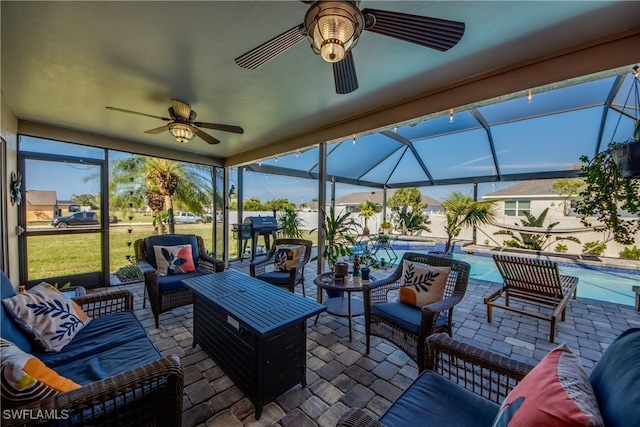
339, 373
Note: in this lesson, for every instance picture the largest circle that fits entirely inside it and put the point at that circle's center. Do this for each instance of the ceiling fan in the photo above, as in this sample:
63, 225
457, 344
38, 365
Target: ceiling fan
182, 124
334, 27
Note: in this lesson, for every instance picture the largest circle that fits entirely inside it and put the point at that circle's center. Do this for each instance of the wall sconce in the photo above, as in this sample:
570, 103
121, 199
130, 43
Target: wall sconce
15, 189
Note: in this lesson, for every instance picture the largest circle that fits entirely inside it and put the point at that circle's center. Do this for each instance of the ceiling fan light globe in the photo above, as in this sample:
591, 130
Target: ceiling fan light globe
181, 132
333, 28
332, 51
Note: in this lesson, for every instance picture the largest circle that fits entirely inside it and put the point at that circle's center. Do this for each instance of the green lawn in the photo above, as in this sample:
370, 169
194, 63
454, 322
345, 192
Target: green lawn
57, 255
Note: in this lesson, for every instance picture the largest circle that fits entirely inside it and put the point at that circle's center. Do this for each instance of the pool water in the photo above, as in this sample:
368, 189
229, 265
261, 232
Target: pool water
599, 283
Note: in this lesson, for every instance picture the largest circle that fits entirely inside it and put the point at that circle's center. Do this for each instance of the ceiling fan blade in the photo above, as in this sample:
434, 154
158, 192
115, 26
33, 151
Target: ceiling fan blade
181, 109
269, 50
434, 33
166, 119
224, 128
157, 130
344, 75
208, 138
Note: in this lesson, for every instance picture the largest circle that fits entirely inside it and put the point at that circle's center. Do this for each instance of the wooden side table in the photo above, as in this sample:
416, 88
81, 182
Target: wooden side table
340, 306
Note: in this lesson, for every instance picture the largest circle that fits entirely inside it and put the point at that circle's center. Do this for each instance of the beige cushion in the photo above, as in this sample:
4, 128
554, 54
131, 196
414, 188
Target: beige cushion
51, 318
286, 257
422, 284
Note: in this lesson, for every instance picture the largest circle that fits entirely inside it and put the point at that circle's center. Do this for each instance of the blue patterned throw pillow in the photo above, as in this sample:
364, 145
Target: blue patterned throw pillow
51, 318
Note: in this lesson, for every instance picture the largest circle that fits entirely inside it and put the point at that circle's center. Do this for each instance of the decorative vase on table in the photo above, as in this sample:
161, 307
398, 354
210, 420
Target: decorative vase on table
365, 272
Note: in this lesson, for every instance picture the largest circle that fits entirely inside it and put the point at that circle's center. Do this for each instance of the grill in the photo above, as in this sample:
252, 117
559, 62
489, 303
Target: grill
254, 227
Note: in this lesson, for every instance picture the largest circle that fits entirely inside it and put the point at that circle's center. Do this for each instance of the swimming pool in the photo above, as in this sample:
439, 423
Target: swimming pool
609, 284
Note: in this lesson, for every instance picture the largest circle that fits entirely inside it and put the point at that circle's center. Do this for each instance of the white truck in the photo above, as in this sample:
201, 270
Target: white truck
187, 218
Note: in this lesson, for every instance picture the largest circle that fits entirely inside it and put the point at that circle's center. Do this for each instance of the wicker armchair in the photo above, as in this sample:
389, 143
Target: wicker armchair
149, 395
284, 279
407, 326
483, 372
167, 293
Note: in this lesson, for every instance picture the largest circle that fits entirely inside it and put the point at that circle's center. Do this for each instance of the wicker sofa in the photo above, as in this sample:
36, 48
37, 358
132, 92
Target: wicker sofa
167, 292
124, 379
464, 386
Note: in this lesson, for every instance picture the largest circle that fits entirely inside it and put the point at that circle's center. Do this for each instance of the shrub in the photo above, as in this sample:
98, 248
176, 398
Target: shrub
630, 253
560, 248
596, 248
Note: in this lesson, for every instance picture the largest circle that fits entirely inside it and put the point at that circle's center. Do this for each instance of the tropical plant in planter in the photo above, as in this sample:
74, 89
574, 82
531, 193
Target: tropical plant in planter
610, 187
462, 211
340, 232
290, 223
368, 209
607, 192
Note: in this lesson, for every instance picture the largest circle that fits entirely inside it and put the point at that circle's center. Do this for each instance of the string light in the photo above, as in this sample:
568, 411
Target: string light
259, 162
276, 158
530, 96
354, 140
451, 116
297, 153
395, 129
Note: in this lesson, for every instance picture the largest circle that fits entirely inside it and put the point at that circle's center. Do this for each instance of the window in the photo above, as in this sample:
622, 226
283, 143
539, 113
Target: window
516, 207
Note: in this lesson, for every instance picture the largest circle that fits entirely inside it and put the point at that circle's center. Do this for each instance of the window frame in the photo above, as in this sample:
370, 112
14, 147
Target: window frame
517, 210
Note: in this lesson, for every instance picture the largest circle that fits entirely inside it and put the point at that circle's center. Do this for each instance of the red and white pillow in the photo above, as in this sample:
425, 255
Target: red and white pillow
172, 260
555, 393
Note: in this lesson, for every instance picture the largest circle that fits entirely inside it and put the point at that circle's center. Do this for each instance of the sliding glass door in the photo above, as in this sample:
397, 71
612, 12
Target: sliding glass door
63, 218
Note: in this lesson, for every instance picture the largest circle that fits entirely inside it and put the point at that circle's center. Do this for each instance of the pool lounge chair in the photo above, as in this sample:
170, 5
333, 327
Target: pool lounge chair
534, 281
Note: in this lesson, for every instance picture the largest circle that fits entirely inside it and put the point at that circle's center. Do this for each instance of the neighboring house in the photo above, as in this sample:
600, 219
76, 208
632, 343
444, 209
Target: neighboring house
535, 196
529, 196
40, 205
351, 201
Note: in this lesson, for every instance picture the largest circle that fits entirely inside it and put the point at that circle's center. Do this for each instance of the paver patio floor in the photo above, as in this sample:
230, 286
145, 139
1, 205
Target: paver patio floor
340, 376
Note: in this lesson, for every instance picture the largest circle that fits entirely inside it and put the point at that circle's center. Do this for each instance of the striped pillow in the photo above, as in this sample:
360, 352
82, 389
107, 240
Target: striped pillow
24, 378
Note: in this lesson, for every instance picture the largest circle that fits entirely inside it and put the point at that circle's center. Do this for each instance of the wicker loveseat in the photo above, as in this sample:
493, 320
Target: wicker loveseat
464, 386
124, 380
167, 292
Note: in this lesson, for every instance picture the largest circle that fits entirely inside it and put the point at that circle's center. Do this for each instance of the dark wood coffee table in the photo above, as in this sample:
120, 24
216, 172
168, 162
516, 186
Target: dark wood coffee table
254, 331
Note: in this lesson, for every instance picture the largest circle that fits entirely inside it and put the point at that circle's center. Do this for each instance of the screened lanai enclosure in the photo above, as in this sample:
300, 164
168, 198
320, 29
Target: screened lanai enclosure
539, 133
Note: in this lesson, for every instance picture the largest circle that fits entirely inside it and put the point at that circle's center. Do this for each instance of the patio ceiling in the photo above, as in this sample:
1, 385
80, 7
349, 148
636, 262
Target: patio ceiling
539, 133
63, 62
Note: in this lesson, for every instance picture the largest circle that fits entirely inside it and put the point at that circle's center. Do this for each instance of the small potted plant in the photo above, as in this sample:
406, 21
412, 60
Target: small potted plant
368, 261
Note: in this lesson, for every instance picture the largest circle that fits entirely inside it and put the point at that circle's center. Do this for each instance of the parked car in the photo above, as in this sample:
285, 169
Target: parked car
76, 219
187, 218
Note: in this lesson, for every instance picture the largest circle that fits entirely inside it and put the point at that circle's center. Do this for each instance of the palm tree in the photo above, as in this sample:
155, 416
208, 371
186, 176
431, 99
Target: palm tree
462, 211
149, 177
368, 209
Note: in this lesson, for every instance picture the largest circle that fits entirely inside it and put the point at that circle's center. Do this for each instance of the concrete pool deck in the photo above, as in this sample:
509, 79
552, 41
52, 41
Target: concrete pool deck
341, 376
